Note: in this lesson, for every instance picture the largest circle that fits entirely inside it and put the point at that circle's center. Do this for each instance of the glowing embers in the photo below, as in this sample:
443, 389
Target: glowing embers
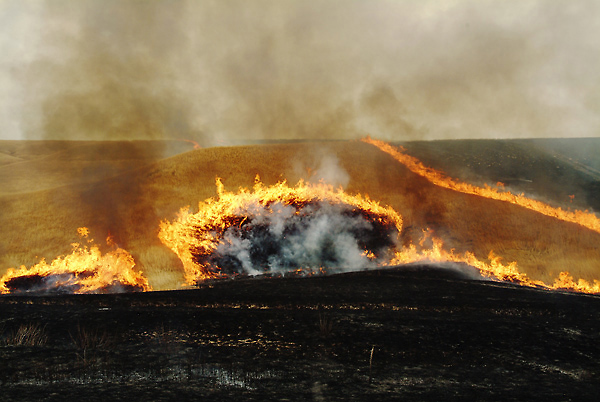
282, 229
85, 270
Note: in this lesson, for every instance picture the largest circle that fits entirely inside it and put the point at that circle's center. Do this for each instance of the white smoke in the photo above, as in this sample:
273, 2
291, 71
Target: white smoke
323, 166
280, 238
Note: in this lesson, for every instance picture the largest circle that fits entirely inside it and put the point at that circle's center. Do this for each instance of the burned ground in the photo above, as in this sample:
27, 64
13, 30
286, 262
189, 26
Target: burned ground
433, 334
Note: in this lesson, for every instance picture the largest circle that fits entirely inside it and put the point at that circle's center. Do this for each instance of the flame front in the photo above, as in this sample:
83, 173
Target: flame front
195, 237
494, 268
438, 178
85, 270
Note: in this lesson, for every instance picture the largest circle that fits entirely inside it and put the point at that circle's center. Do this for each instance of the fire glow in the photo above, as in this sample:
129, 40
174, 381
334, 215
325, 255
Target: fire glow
85, 270
278, 229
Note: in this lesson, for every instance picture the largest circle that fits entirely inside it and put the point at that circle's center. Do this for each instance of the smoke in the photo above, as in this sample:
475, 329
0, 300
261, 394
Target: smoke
280, 239
322, 165
219, 71
64, 283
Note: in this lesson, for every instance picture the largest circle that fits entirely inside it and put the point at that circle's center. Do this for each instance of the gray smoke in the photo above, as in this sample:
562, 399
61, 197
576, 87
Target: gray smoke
235, 70
279, 239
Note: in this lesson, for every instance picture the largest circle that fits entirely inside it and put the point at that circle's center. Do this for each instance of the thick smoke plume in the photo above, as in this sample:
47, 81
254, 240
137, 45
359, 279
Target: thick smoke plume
235, 71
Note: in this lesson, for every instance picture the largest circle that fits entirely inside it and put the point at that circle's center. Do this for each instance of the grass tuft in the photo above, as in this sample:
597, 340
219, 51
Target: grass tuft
31, 334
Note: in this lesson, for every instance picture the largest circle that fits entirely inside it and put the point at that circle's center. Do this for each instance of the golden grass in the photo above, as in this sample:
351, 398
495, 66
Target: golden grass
131, 205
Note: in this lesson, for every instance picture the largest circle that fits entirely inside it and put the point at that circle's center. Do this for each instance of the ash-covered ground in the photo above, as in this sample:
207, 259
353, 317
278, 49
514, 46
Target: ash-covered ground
417, 333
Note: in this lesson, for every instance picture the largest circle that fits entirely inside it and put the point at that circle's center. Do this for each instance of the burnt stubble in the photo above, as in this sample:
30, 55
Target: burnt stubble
435, 335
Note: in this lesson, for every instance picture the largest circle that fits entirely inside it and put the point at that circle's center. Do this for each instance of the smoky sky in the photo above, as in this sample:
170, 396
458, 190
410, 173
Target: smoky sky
298, 69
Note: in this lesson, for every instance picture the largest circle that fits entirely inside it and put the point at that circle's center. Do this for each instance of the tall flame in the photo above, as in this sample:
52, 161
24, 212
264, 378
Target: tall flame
438, 178
85, 270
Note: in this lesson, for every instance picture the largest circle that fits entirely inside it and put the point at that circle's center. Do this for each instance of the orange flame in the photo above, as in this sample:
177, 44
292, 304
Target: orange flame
494, 269
198, 231
85, 270
583, 218
191, 233
194, 143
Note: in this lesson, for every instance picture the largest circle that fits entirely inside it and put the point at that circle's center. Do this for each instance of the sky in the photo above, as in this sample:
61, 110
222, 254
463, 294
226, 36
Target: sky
238, 70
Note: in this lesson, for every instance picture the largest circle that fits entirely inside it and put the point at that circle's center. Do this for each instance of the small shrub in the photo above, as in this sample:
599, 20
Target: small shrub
88, 342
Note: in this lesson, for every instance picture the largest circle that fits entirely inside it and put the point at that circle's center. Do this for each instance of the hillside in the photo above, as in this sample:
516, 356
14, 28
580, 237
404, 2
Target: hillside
416, 334
130, 205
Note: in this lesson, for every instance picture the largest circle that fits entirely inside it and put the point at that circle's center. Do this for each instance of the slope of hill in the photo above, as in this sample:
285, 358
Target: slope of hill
394, 334
130, 206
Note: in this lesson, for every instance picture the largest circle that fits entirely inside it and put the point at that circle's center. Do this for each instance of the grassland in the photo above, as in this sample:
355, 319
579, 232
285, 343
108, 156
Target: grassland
49, 189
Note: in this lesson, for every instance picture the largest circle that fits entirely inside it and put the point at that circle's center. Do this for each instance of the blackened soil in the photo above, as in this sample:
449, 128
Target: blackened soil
407, 334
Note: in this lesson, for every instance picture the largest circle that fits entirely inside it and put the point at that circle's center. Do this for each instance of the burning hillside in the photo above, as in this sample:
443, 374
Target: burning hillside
438, 178
85, 270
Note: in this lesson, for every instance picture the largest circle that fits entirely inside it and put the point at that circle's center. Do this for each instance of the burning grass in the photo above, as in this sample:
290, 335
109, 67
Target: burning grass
313, 228
38, 224
583, 218
281, 229
85, 270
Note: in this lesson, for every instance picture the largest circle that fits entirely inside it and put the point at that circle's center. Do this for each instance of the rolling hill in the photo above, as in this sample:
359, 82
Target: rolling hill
126, 192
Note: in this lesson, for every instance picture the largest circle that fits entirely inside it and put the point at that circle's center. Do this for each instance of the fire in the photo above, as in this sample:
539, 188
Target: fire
85, 270
494, 268
195, 144
583, 218
280, 228
258, 222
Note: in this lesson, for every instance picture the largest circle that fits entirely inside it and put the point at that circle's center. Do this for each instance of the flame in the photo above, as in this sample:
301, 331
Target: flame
493, 269
583, 218
200, 234
85, 270
194, 143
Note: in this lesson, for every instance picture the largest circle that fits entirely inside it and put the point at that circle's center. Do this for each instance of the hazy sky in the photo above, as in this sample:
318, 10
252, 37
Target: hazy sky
240, 69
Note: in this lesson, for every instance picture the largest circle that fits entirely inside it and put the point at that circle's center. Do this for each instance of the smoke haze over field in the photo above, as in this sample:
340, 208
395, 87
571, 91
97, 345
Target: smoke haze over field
236, 70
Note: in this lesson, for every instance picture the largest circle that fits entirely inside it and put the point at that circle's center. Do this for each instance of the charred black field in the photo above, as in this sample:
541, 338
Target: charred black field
412, 333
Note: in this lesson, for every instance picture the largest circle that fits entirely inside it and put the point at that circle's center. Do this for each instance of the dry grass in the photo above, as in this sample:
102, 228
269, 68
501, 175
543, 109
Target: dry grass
85, 338
130, 206
31, 334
